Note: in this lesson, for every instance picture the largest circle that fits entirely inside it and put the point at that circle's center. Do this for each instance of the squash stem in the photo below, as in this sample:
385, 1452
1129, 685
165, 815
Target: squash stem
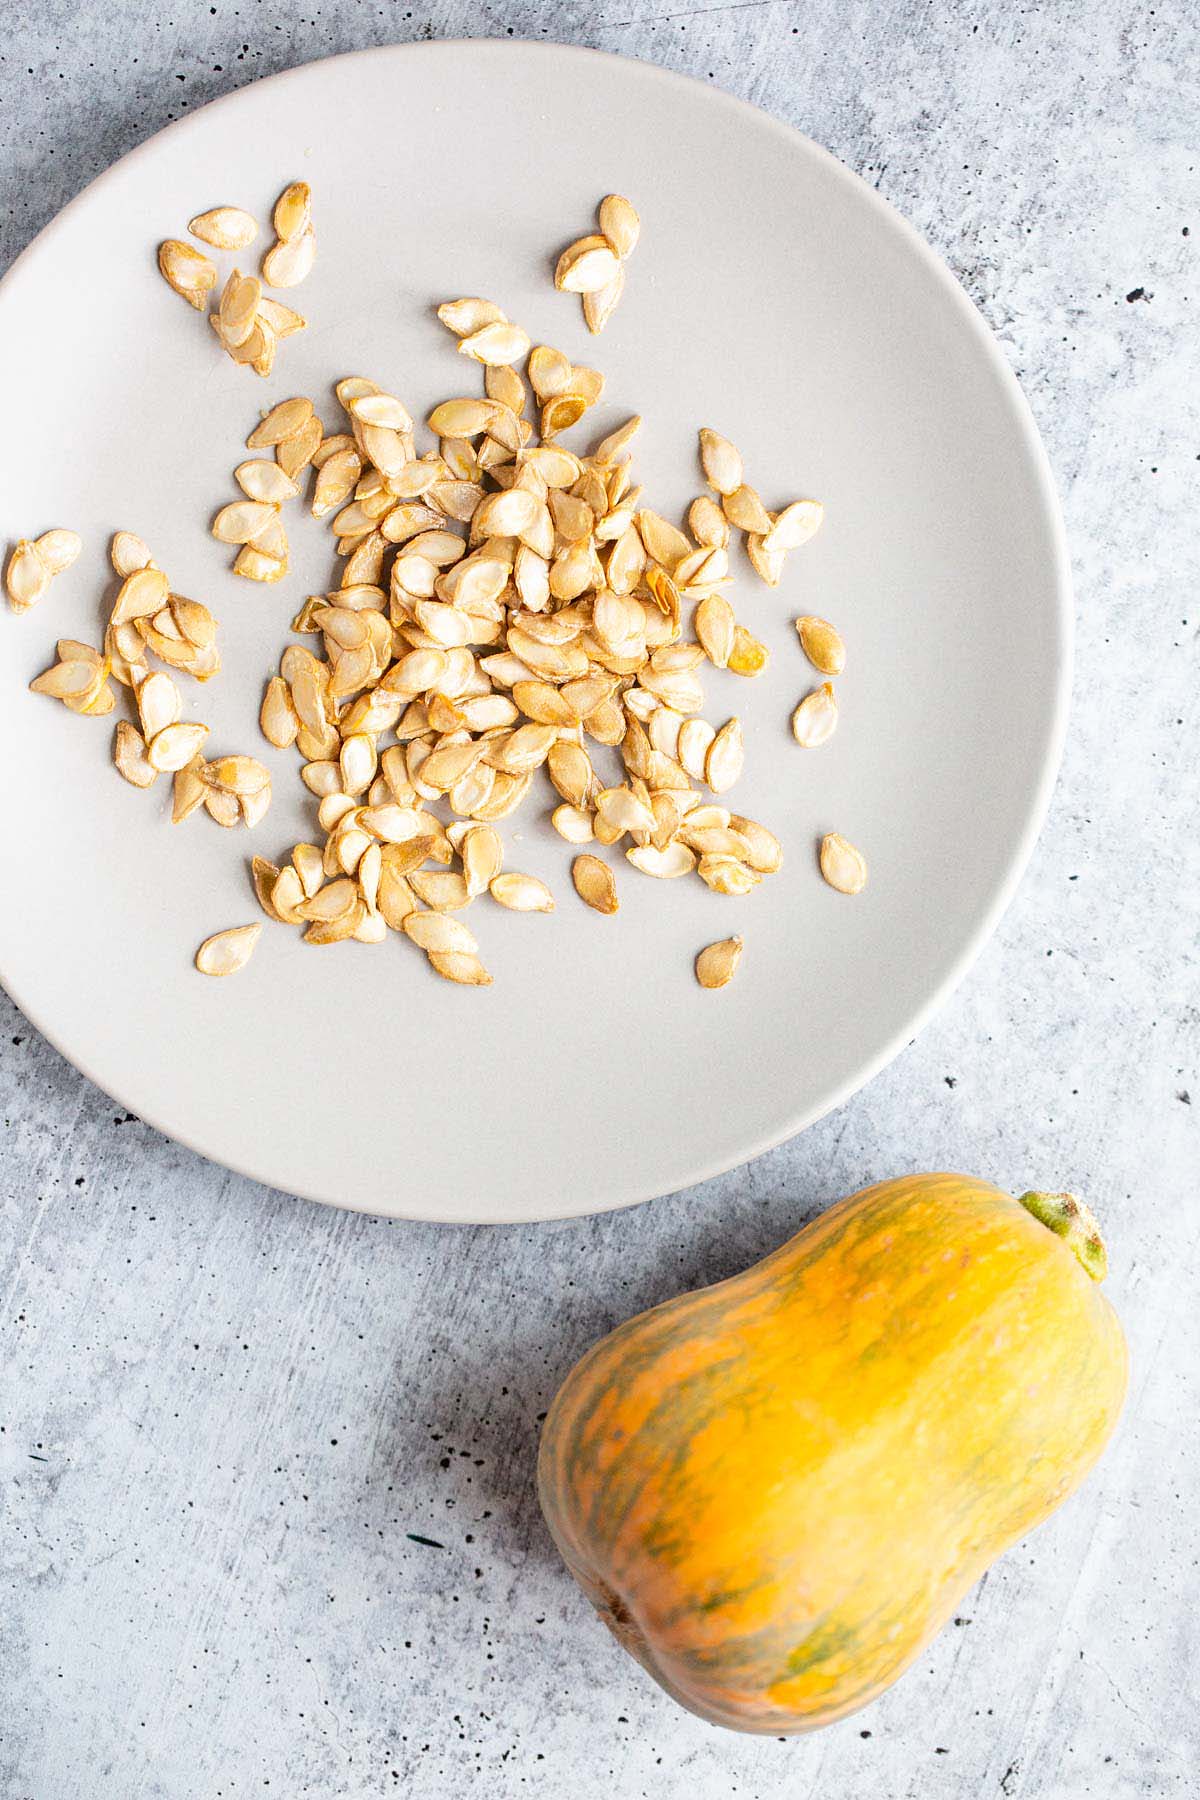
1069, 1219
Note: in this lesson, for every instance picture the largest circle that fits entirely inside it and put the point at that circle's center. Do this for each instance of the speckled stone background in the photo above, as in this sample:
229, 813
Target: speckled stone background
268, 1516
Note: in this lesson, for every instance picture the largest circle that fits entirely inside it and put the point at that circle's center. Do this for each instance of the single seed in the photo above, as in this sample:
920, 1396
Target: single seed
815, 719
843, 867
228, 951
717, 963
822, 644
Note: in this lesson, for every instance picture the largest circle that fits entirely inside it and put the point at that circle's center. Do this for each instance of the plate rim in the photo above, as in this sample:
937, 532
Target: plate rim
1047, 497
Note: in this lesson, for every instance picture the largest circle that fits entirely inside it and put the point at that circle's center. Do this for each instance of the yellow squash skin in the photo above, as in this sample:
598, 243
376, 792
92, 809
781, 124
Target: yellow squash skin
776, 1490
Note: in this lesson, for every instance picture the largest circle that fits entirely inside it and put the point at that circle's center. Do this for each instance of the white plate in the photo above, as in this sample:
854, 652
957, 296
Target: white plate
773, 296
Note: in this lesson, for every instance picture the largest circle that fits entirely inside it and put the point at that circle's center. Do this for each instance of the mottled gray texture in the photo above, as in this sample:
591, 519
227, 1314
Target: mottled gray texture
223, 1410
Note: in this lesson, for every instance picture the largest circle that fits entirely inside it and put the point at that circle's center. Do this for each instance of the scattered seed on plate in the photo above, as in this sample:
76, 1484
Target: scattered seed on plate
188, 271
228, 951
815, 719
843, 867
595, 883
593, 268
224, 227
717, 963
822, 644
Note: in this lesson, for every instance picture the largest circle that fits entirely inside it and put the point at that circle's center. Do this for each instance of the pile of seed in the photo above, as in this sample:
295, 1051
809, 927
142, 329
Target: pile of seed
505, 604
248, 323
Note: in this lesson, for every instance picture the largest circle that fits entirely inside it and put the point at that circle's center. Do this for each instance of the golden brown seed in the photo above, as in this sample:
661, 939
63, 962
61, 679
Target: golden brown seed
822, 644
744, 509
292, 214
620, 224
188, 271
748, 656
455, 965
595, 883
717, 963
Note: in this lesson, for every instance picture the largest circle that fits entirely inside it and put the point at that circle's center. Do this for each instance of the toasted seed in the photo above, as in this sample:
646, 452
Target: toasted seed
664, 542
620, 224
843, 867
595, 883
224, 809
573, 823
292, 213
244, 776
242, 521
744, 509
263, 480
143, 593
717, 963
256, 565
175, 745
667, 864
482, 855
764, 852
725, 758
59, 548
283, 319
331, 902
193, 620
337, 931
440, 888
27, 576
224, 227
599, 304
716, 628
767, 564
382, 410
794, 525
727, 875
159, 704
570, 770
695, 740
287, 262
228, 951
128, 553
129, 754
815, 719
822, 644
463, 317
707, 523
456, 965
550, 372
283, 421
188, 271
461, 418
188, 790
496, 344
438, 931
278, 717
586, 265
521, 893
721, 462
748, 656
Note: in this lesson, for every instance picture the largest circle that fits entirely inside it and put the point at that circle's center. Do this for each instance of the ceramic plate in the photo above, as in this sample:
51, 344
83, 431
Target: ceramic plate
773, 296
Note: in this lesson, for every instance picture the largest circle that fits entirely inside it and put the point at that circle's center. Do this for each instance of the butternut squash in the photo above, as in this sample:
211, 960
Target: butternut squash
777, 1489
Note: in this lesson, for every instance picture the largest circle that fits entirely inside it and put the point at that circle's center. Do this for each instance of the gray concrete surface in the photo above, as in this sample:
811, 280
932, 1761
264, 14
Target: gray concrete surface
230, 1420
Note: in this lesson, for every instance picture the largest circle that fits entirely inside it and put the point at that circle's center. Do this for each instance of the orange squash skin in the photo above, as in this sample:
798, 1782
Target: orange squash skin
776, 1490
